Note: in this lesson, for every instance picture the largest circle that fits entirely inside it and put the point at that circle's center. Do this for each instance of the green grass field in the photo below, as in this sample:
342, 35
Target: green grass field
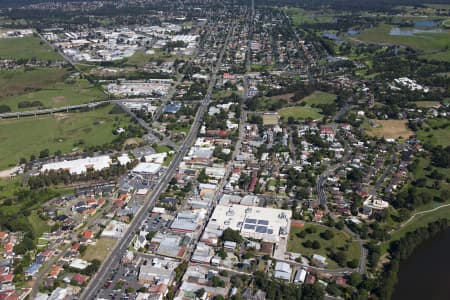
318, 98
162, 148
341, 240
438, 132
19, 81
59, 94
27, 136
100, 250
49, 86
300, 113
27, 48
140, 58
8, 187
300, 16
39, 225
417, 222
434, 45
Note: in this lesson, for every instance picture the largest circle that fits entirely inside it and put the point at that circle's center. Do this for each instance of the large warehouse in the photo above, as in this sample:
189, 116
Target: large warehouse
262, 223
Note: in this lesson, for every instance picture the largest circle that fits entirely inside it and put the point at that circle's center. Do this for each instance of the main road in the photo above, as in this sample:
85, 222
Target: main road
121, 246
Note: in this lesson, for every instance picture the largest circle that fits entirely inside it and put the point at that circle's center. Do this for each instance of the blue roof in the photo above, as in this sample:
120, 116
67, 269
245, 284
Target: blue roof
263, 222
252, 221
172, 108
32, 269
261, 229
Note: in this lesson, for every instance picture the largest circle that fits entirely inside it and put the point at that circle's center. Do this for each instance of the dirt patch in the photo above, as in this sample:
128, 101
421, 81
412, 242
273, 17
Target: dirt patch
132, 141
390, 129
59, 99
296, 223
287, 96
61, 116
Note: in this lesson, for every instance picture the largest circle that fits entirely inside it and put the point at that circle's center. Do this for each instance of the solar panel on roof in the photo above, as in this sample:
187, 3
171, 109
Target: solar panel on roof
252, 221
263, 222
269, 231
261, 229
249, 226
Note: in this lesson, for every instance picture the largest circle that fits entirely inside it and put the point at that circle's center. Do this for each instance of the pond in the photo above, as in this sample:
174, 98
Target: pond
425, 23
412, 31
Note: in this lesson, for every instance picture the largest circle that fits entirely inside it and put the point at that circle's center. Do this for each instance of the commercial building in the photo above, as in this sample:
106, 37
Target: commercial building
145, 168
80, 166
263, 223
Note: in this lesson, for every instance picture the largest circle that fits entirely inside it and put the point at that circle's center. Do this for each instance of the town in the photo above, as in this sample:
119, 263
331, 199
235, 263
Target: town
214, 150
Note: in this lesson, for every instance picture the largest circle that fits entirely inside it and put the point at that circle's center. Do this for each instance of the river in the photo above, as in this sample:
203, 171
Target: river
426, 273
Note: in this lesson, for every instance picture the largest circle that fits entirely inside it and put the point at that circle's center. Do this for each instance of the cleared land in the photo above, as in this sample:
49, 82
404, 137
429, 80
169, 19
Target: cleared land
270, 119
100, 250
390, 129
435, 45
286, 97
300, 113
318, 98
27, 48
19, 81
140, 58
27, 136
340, 241
427, 103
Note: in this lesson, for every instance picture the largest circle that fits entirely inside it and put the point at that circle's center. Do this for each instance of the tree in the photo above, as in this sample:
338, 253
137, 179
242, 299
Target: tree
340, 225
316, 245
312, 292
355, 279
327, 234
232, 236
217, 282
44, 153
202, 177
199, 293
307, 244
340, 257
333, 289
23, 247
4, 108
222, 253
92, 268
352, 263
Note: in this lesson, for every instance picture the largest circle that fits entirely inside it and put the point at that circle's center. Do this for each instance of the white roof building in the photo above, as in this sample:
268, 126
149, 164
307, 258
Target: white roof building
115, 229
300, 276
80, 166
147, 168
267, 224
282, 271
321, 259
79, 264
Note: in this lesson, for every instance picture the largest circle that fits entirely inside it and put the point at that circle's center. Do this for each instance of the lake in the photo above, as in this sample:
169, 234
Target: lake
426, 274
